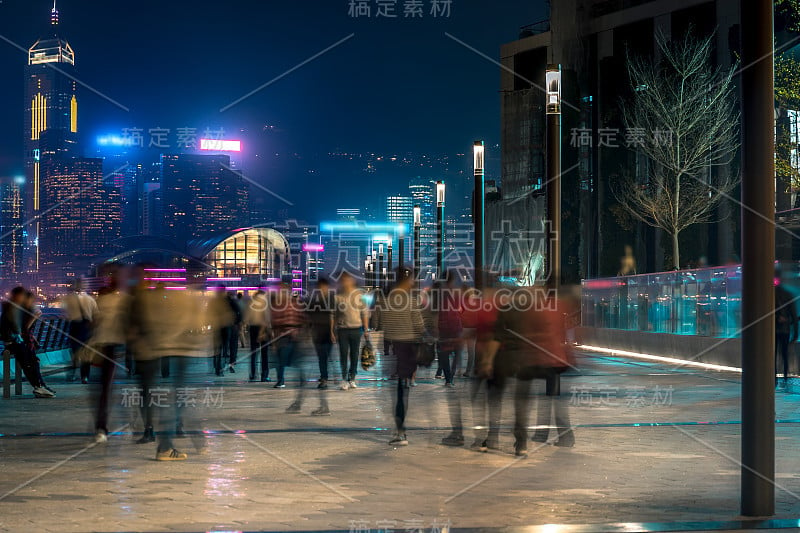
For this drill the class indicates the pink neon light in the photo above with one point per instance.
(313, 247)
(171, 288)
(165, 270)
(220, 145)
(166, 279)
(223, 279)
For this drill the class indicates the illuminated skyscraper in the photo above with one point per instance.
(51, 103)
(423, 194)
(82, 217)
(201, 197)
(11, 227)
(400, 209)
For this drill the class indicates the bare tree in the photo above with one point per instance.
(683, 119)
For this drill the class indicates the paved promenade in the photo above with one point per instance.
(654, 443)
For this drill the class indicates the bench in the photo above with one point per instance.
(7, 375)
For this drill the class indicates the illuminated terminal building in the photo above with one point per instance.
(243, 259)
(51, 103)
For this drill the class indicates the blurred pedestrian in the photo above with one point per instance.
(256, 317)
(399, 316)
(287, 320)
(237, 308)
(320, 308)
(107, 340)
(223, 319)
(447, 308)
(786, 328)
(352, 323)
(79, 308)
(529, 344)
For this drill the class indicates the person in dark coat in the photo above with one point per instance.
(785, 330)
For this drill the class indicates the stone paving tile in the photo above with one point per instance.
(616, 472)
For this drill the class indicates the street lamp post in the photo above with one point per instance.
(553, 185)
(479, 210)
(417, 227)
(376, 266)
(758, 257)
(401, 248)
(388, 264)
(440, 229)
(553, 189)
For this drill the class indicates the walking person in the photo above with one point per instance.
(12, 319)
(237, 308)
(107, 339)
(447, 309)
(222, 323)
(352, 322)
(79, 308)
(786, 329)
(469, 334)
(320, 308)
(287, 319)
(257, 320)
(399, 316)
(529, 344)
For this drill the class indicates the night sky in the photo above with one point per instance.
(398, 86)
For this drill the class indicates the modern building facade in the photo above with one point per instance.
(400, 210)
(257, 253)
(591, 40)
(11, 213)
(201, 195)
(51, 104)
(81, 219)
(423, 194)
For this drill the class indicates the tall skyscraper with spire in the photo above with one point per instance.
(51, 111)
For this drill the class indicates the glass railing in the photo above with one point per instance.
(704, 302)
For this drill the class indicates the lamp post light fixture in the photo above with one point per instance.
(389, 260)
(440, 190)
(479, 210)
(379, 282)
(417, 228)
(401, 247)
(553, 184)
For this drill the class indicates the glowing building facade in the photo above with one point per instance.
(261, 253)
(11, 227)
(51, 104)
(82, 218)
(201, 195)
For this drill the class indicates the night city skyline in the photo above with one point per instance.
(363, 96)
(384, 266)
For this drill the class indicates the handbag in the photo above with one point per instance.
(426, 353)
(89, 355)
(367, 356)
